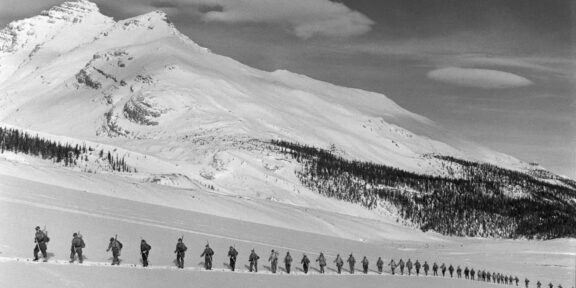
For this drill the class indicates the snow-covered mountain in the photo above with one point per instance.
(195, 130)
(172, 108)
(141, 79)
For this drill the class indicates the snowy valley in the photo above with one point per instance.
(129, 127)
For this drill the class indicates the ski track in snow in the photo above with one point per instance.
(296, 270)
(147, 222)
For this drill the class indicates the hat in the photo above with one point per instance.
(179, 239)
(111, 238)
(37, 227)
(75, 234)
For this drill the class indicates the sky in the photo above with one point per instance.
(499, 73)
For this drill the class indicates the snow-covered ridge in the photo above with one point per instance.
(20, 32)
(143, 82)
(73, 11)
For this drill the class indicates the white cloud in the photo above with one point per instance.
(304, 18)
(479, 78)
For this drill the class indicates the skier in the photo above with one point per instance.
(401, 264)
(472, 272)
(288, 262)
(208, 255)
(426, 268)
(380, 264)
(322, 262)
(273, 259)
(351, 261)
(451, 270)
(144, 251)
(305, 263)
(339, 263)
(232, 254)
(116, 247)
(365, 264)
(180, 253)
(538, 284)
(76, 247)
(40, 238)
(409, 266)
(253, 259)
(466, 273)
(516, 280)
(443, 268)
(526, 282)
(488, 275)
(550, 285)
(435, 269)
(392, 266)
(417, 266)
(493, 277)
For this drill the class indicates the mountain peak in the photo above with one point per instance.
(73, 11)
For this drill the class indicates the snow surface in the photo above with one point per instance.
(189, 120)
(34, 192)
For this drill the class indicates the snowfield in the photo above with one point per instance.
(195, 127)
(160, 214)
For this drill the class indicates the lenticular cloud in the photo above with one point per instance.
(478, 78)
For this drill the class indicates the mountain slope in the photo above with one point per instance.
(174, 108)
(139, 76)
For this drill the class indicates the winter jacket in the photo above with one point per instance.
(321, 260)
(253, 257)
(144, 247)
(180, 248)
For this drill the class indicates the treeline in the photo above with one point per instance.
(487, 201)
(16, 141)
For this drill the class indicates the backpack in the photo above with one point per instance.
(117, 244)
(77, 242)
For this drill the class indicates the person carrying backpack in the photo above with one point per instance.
(76, 247)
(339, 263)
(180, 253)
(253, 259)
(305, 263)
(380, 265)
(273, 259)
(232, 254)
(409, 266)
(41, 238)
(288, 262)
(116, 247)
(351, 261)
(207, 254)
(322, 262)
(365, 265)
(392, 266)
(144, 251)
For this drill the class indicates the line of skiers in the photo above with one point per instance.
(41, 239)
